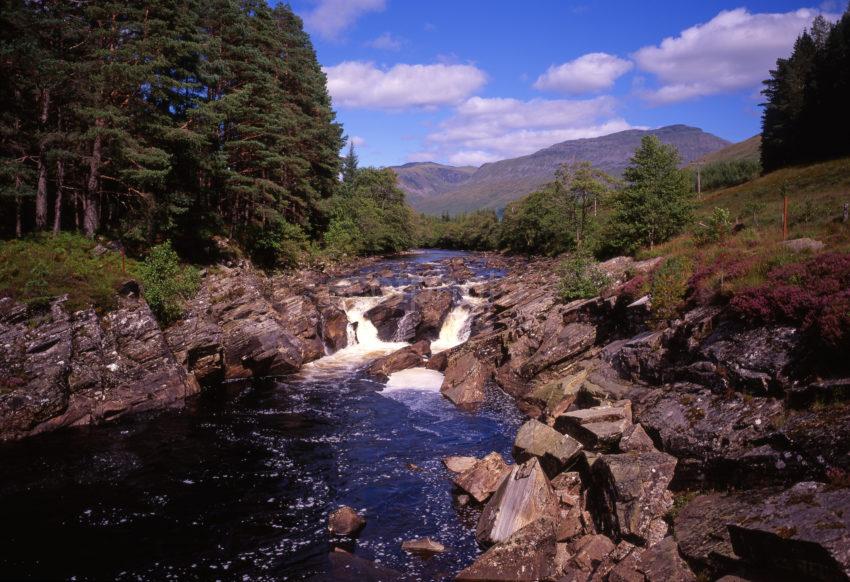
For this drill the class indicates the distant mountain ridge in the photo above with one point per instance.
(437, 188)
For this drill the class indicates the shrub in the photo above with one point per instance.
(669, 286)
(580, 277)
(723, 174)
(814, 295)
(715, 228)
(166, 284)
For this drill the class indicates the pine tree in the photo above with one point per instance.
(349, 165)
(657, 202)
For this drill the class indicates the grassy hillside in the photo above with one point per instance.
(749, 149)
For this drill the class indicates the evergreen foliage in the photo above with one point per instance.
(657, 202)
(165, 119)
(806, 117)
(166, 285)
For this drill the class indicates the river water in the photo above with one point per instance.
(238, 485)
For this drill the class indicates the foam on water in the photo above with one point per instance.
(415, 379)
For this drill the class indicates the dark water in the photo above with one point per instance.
(238, 485)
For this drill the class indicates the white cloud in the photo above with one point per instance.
(330, 18)
(587, 74)
(363, 84)
(387, 42)
(484, 130)
(734, 50)
(356, 141)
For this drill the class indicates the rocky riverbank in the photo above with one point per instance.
(681, 450)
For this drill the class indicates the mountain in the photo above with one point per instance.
(424, 180)
(749, 149)
(494, 185)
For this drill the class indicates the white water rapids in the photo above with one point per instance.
(364, 345)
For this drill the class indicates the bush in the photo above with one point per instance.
(715, 228)
(727, 173)
(166, 284)
(669, 286)
(38, 269)
(814, 295)
(581, 277)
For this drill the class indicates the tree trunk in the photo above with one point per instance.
(41, 192)
(91, 208)
(18, 229)
(57, 206)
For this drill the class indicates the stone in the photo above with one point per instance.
(424, 546)
(660, 563)
(434, 306)
(799, 245)
(570, 341)
(482, 480)
(589, 551)
(554, 451)
(802, 532)
(599, 427)
(407, 357)
(465, 379)
(701, 529)
(359, 288)
(457, 464)
(345, 522)
(555, 397)
(334, 324)
(523, 497)
(529, 555)
(635, 439)
(387, 317)
(629, 493)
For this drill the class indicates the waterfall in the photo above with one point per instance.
(455, 329)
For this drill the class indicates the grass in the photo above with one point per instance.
(37, 269)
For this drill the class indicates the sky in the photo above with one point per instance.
(466, 82)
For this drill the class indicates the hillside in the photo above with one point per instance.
(749, 149)
(424, 180)
(494, 185)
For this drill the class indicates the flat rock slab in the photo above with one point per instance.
(457, 464)
(523, 497)
(554, 450)
(529, 555)
(555, 397)
(424, 546)
(483, 478)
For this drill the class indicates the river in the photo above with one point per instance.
(238, 484)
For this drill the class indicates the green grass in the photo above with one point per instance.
(37, 269)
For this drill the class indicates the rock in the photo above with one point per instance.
(432, 281)
(299, 316)
(387, 318)
(425, 546)
(823, 392)
(407, 357)
(465, 378)
(433, 305)
(346, 567)
(555, 397)
(345, 522)
(720, 441)
(701, 529)
(635, 439)
(459, 464)
(589, 551)
(799, 245)
(334, 327)
(801, 532)
(523, 497)
(198, 346)
(629, 493)
(570, 341)
(660, 563)
(359, 288)
(482, 480)
(554, 451)
(599, 427)
(528, 555)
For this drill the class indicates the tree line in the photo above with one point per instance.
(582, 209)
(164, 119)
(806, 117)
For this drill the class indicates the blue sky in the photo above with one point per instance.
(468, 81)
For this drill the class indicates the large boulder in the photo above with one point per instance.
(597, 428)
(407, 357)
(523, 497)
(334, 327)
(465, 379)
(299, 316)
(559, 345)
(484, 477)
(344, 521)
(660, 563)
(629, 495)
(555, 397)
(700, 528)
(530, 554)
(388, 316)
(433, 306)
(554, 451)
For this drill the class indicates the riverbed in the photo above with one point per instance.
(238, 484)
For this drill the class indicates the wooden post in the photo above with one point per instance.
(785, 218)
